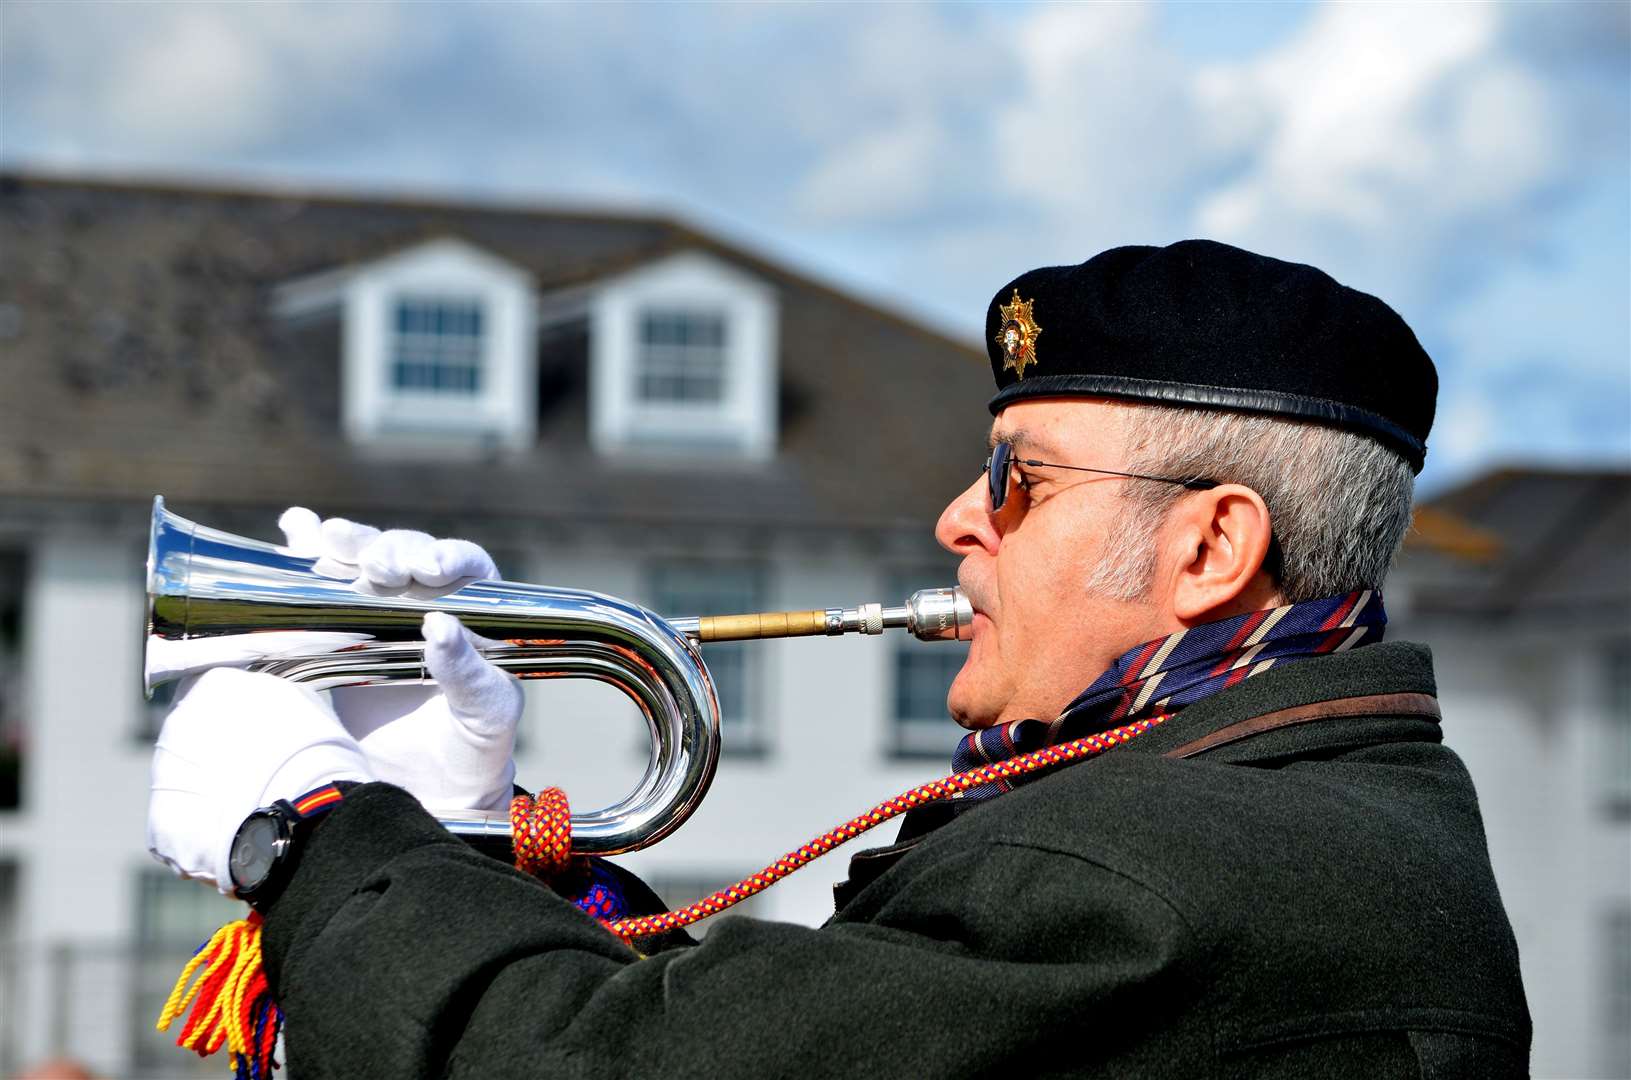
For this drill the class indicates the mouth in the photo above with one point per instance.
(974, 595)
(974, 591)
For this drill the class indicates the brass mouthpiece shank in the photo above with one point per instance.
(929, 614)
(766, 624)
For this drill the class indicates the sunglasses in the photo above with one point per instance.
(1002, 460)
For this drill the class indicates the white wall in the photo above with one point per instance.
(1522, 715)
(1525, 717)
(81, 838)
(81, 832)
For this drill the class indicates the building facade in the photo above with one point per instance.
(1520, 580)
(623, 404)
(615, 403)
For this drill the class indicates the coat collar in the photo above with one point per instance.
(1398, 667)
(1392, 667)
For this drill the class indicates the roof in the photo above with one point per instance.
(143, 356)
(1534, 544)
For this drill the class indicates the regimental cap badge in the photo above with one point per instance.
(1017, 337)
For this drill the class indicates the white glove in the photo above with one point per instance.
(454, 749)
(395, 562)
(236, 741)
(451, 744)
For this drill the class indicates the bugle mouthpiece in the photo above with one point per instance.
(929, 614)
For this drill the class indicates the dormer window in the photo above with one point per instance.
(437, 347)
(683, 361)
(682, 357)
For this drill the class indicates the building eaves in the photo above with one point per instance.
(438, 213)
(1561, 548)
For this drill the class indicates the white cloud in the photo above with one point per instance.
(190, 79)
(889, 165)
(1426, 153)
(1343, 94)
(1401, 137)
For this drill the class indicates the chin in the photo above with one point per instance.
(966, 710)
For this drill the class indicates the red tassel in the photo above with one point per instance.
(231, 1001)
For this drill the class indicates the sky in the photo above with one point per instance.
(1468, 163)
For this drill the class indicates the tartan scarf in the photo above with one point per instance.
(1160, 677)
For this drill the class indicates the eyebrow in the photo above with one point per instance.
(1022, 440)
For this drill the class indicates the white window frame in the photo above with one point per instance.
(743, 422)
(373, 409)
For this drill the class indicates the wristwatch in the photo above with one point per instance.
(262, 854)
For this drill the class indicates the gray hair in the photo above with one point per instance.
(1339, 501)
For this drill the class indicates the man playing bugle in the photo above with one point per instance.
(1231, 842)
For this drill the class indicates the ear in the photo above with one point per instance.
(1221, 541)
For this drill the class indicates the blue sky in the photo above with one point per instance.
(1468, 163)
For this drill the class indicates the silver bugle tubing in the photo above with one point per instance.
(928, 614)
(215, 599)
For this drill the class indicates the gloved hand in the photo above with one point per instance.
(451, 744)
(391, 563)
(236, 741)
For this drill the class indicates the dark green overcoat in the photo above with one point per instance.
(1312, 901)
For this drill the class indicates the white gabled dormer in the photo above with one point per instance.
(437, 343)
(683, 356)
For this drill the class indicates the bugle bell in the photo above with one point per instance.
(216, 599)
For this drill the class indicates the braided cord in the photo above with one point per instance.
(945, 788)
(542, 833)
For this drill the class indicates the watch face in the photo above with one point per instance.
(255, 850)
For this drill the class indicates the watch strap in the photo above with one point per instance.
(318, 800)
(302, 814)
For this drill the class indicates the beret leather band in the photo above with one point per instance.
(1298, 406)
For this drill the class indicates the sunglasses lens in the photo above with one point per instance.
(996, 476)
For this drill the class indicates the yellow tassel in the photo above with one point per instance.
(230, 1001)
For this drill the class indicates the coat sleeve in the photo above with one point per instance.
(398, 951)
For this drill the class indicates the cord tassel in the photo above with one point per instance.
(231, 1001)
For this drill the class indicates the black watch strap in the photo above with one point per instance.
(302, 815)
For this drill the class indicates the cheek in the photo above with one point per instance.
(1044, 590)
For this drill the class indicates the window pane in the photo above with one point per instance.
(1616, 1016)
(173, 918)
(923, 673)
(172, 911)
(1614, 755)
(718, 588)
(437, 347)
(922, 678)
(13, 725)
(682, 357)
(154, 710)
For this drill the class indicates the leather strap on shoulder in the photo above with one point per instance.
(1424, 705)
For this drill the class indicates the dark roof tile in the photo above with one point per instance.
(143, 355)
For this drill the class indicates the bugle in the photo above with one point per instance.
(216, 599)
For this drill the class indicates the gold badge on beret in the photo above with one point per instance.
(1017, 338)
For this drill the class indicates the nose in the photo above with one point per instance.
(964, 526)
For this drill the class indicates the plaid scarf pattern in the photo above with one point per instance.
(1160, 677)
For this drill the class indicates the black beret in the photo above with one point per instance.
(1205, 324)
